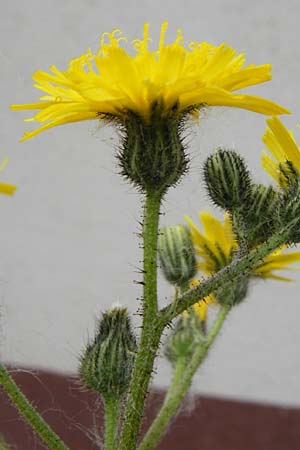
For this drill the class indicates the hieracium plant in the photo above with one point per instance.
(150, 94)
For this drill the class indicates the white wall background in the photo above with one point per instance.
(68, 243)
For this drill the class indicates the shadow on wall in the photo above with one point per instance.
(214, 424)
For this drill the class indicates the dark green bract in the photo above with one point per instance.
(152, 155)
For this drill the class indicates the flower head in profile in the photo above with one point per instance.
(216, 246)
(5, 188)
(171, 78)
(282, 145)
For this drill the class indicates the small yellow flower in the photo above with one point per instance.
(201, 308)
(112, 82)
(282, 145)
(5, 188)
(216, 247)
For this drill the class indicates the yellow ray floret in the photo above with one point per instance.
(216, 247)
(113, 81)
(5, 188)
(282, 145)
(201, 308)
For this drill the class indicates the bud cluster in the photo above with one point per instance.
(259, 211)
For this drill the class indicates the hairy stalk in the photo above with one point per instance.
(3, 444)
(112, 415)
(239, 267)
(240, 231)
(28, 411)
(151, 330)
(182, 379)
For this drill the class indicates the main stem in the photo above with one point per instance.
(182, 379)
(151, 330)
(112, 415)
(28, 411)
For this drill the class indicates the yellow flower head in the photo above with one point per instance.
(282, 145)
(5, 188)
(216, 246)
(113, 82)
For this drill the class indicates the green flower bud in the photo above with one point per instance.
(152, 155)
(177, 254)
(227, 179)
(107, 361)
(185, 338)
(261, 214)
(233, 293)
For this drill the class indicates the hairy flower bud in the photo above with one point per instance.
(227, 179)
(185, 338)
(233, 293)
(261, 213)
(177, 254)
(152, 155)
(107, 361)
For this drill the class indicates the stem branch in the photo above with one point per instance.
(112, 415)
(182, 379)
(28, 411)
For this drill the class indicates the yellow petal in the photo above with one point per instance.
(214, 231)
(270, 167)
(200, 309)
(61, 121)
(7, 189)
(285, 141)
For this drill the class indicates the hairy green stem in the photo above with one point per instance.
(183, 375)
(151, 330)
(154, 322)
(238, 268)
(240, 231)
(28, 411)
(112, 415)
(3, 444)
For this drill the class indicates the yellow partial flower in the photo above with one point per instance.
(283, 147)
(5, 188)
(113, 82)
(216, 247)
(201, 307)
